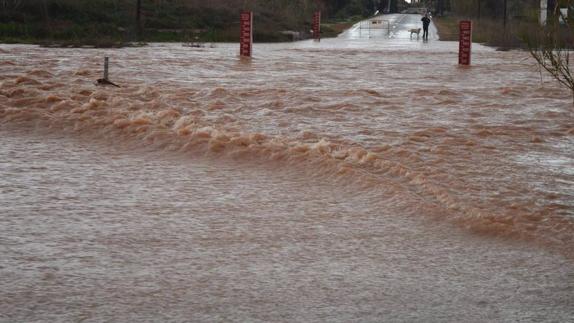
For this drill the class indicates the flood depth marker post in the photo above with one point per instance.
(464, 42)
(317, 25)
(246, 40)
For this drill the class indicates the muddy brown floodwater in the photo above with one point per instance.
(347, 180)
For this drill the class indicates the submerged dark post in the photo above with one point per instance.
(246, 39)
(106, 79)
(465, 42)
(106, 67)
(317, 25)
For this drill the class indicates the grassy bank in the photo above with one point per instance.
(332, 28)
(113, 23)
(489, 32)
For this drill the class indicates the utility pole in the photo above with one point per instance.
(138, 18)
(478, 15)
(504, 14)
(551, 11)
(47, 20)
(439, 7)
(393, 6)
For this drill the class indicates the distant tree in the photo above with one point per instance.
(552, 48)
(138, 18)
(10, 4)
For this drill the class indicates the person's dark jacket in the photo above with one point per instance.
(426, 22)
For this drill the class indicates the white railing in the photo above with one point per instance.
(374, 24)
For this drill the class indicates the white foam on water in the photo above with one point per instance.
(319, 181)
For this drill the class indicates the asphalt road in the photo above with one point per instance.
(390, 27)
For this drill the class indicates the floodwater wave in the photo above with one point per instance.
(365, 177)
(470, 168)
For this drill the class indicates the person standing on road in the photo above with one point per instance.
(426, 23)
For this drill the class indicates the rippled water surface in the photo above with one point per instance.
(363, 178)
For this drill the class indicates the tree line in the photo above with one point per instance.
(496, 9)
(158, 20)
(215, 20)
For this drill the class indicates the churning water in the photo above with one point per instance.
(347, 180)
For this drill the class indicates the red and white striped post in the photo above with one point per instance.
(317, 25)
(465, 42)
(246, 39)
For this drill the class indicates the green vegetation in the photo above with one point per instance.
(114, 22)
(552, 45)
(487, 31)
(109, 23)
(493, 24)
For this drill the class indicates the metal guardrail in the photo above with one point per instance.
(375, 24)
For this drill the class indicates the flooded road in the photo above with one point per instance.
(395, 27)
(359, 178)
